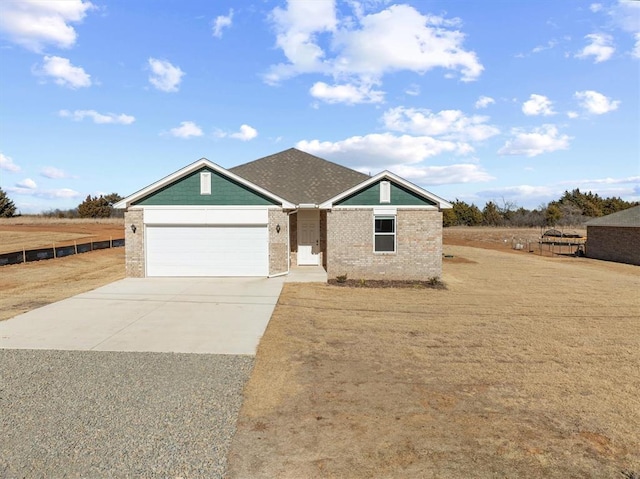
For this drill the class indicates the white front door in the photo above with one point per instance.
(308, 237)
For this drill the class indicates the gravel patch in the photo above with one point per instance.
(68, 414)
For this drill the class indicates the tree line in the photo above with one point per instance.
(92, 207)
(573, 208)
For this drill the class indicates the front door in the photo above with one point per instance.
(308, 237)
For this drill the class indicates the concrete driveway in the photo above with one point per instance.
(182, 315)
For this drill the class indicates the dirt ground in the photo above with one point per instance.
(526, 366)
(32, 232)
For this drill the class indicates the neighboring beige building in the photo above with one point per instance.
(615, 237)
(284, 210)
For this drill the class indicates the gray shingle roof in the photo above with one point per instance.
(299, 177)
(625, 218)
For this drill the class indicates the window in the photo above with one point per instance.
(384, 234)
(385, 192)
(205, 183)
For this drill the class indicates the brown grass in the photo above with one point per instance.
(29, 232)
(31, 285)
(28, 286)
(526, 366)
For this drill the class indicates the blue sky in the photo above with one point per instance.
(512, 101)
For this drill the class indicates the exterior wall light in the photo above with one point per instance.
(278, 228)
(133, 228)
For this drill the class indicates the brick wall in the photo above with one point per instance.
(278, 242)
(614, 244)
(134, 244)
(418, 253)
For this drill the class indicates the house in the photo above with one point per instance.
(615, 237)
(285, 210)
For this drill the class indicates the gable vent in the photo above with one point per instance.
(385, 192)
(205, 183)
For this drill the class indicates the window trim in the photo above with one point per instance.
(394, 233)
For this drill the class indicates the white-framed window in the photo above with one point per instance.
(385, 192)
(205, 183)
(384, 234)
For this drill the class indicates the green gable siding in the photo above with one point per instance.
(400, 196)
(186, 191)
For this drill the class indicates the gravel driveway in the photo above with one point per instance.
(117, 414)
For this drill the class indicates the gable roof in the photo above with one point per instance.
(625, 218)
(201, 163)
(299, 177)
(387, 175)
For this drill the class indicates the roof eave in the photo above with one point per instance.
(167, 180)
(442, 203)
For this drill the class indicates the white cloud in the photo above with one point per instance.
(27, 183)
(521, 193)
(572, 114)
(53, 173)
(164, 76)
(187, 129)
(484, 102)
(636, 49)
(595, 7)
(538, 105)
(246, 133)
(381, 149)
(596, 103)
(34, 24)
(349, 94)
(64, 73)
(79, 115)
(544, 139)
(365, 47)
(7, 164)
(442, 175)
(626, 15)
(450, 124)
(413, 90)
(601, 47)
(60, 193)
(221, 22)
(540, 48)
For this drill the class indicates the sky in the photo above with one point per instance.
(507, 101)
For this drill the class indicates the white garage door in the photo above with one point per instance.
(207, 251)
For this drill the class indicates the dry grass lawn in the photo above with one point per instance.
(24, 287)
(526, 366)
(28, 232)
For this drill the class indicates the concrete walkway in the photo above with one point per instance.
(306, 274)
(182, 315)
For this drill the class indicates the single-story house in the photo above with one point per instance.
(285, 210)
(615, 237)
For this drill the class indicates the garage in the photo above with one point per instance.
(207, 251)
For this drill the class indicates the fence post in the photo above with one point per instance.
(24, 255)
(75, 246)
(54, 250)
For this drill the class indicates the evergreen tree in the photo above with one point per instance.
(7, 207)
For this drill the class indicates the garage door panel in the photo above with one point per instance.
(207, 251)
